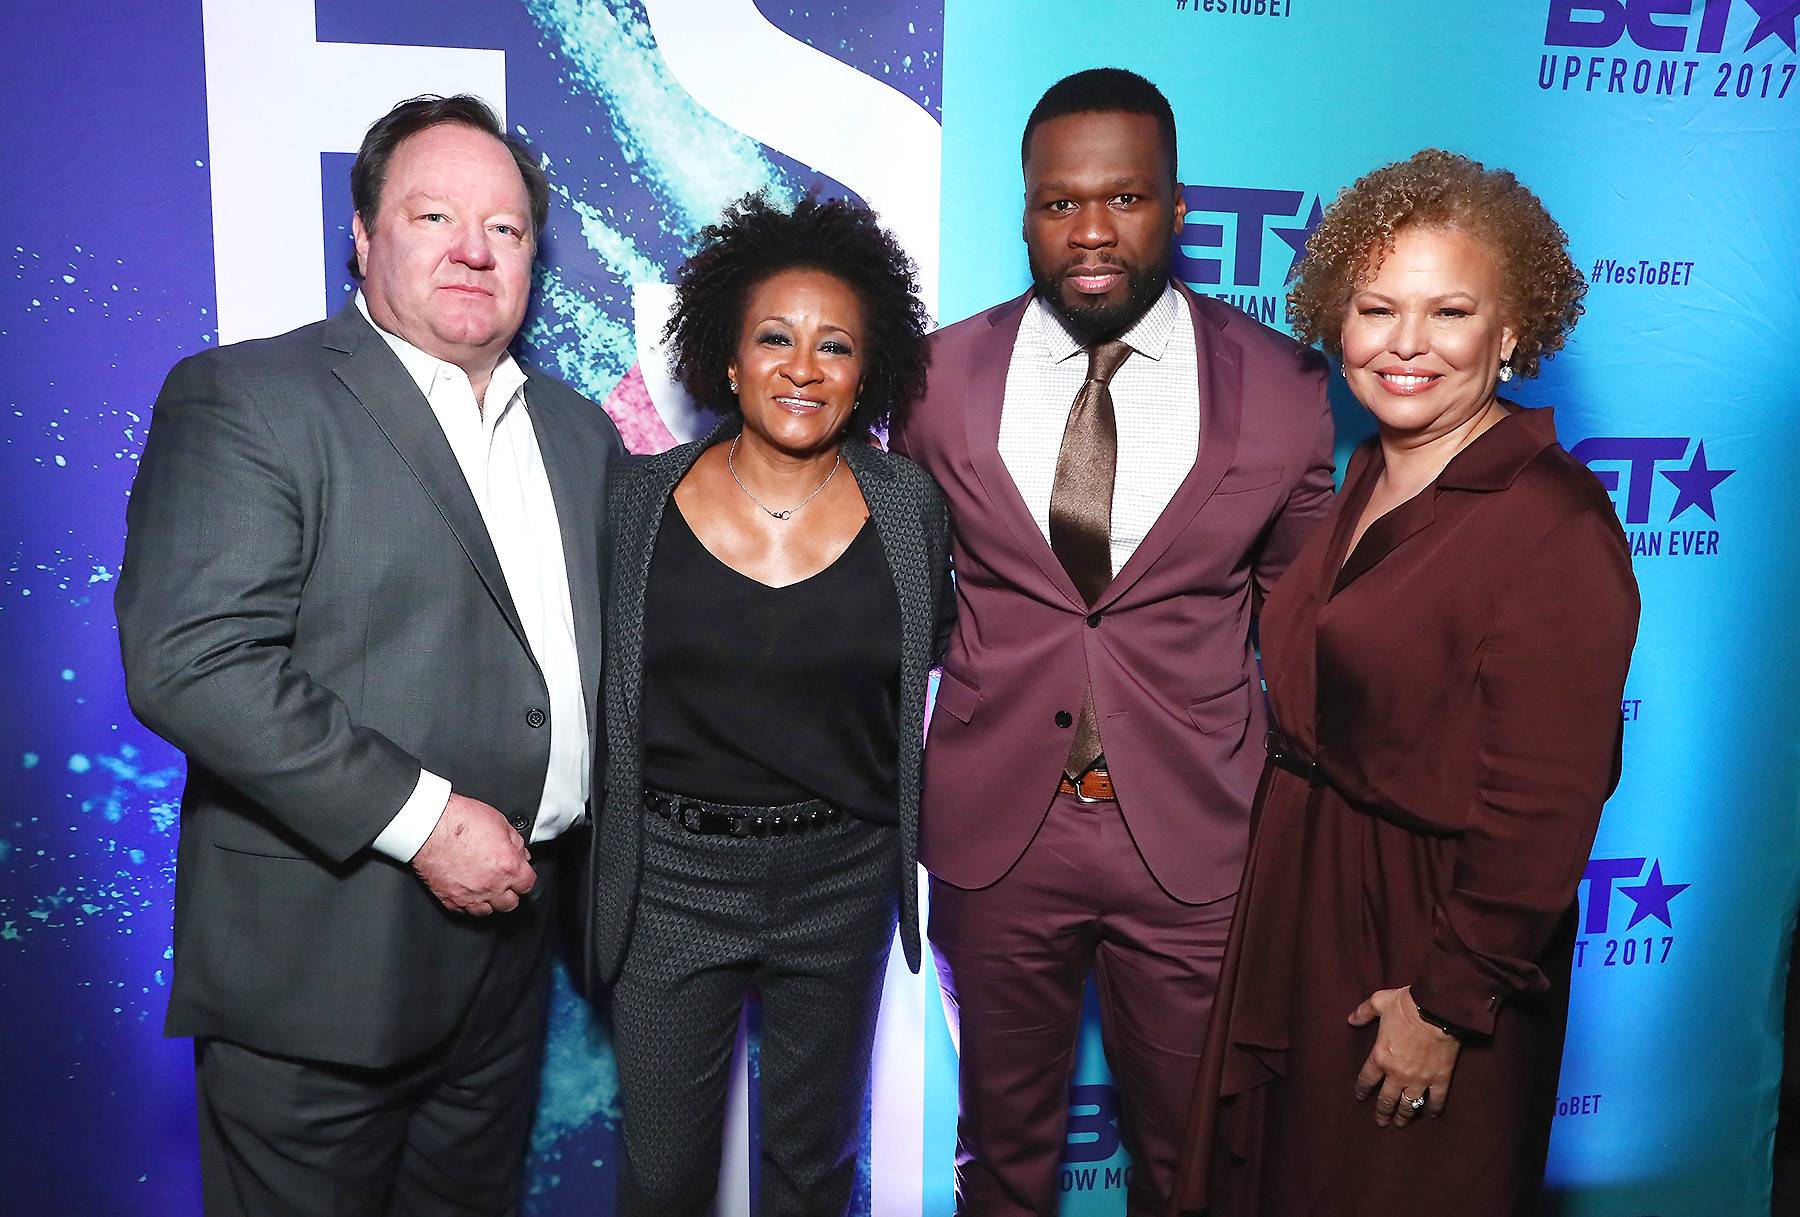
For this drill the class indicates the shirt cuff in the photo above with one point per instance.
(1458, 991)
(407, 831)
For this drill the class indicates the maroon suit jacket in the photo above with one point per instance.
(1181, 706)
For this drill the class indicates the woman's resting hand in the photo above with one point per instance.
(1411, 1057)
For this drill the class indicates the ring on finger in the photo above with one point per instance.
(1416, 1104)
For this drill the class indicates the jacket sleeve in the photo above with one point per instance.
(1305, 505)
(207, 602)
(1552, 671)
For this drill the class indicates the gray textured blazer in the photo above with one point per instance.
(914, 528)
(311, 608)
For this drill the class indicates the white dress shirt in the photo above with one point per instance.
(497, 448)
(1156, 405)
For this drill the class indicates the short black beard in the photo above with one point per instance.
(1099, 323)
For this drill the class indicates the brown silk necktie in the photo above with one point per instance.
(1081, 510)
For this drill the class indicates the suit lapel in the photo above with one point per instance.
(898, 526)
(576, 490)
(649, 494)
(374, 376)
(1221, 385)
(986, 396)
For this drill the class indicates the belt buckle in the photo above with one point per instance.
(1080, 796)
(698, 818)
(1275, 744)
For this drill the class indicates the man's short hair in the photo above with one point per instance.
(369, 174)
(1103, 91)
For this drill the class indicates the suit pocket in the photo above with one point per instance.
(1221, 710)
(1248, 477)
(241, 835)
(957, 697)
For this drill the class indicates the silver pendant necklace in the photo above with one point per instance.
(731, 464)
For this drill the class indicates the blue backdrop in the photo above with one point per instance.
(176, 178)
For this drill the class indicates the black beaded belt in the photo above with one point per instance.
(1283, 756)
(724, 819)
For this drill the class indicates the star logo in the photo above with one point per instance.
(1775, 19)
(1297, 238)
(1652, 897)
(1696, 483)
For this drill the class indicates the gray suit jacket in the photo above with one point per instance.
(914, 528)
(310, 607)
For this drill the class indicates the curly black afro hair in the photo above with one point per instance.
(755, 239)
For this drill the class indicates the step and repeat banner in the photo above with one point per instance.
(177, 178)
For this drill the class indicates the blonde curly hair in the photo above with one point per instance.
(1541, 288)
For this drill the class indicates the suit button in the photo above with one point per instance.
(1064, 719)
(535, 717)
(1093, 621)
(521, 823)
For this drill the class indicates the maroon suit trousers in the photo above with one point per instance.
(1014, 958)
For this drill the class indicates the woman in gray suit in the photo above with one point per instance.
(779, 593)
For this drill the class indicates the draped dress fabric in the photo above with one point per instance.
(1458, 680)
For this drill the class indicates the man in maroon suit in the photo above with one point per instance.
(1128, 467)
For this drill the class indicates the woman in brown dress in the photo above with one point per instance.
(1445, 661)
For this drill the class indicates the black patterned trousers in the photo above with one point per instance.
(807, 921)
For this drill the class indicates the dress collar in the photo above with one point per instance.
(1495, 457)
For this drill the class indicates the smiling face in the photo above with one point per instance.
(799, 362)
(446, 260)
(1101, 214)
(1423, 341)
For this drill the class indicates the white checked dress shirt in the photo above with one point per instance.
(497, 450)
(1156, 405)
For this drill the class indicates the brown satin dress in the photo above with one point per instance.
(1457, 679)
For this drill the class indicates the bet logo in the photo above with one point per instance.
(1647, 938)
(1227, 227)
(1093, 1134)
(1631, 466)
(1657, 25)
(1649, 899)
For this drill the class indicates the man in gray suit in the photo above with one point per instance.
(361, 590)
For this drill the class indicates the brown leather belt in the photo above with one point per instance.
(1094, 786)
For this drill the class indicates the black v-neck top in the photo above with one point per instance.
(761, 695)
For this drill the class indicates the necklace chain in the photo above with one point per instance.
(731, 464)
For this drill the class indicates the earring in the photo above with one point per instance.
(1506, 372)
(733, 385)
